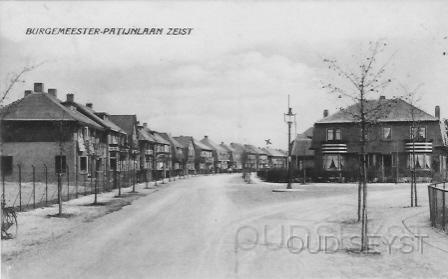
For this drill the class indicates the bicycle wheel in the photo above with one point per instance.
(9, 223)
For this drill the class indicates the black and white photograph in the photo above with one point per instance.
(224, 139)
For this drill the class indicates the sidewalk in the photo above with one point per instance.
(41, 225)
(419, 224)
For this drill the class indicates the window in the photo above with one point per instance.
(330, 135)
(60, 164)
(442, 164)
(422, 161)
(85, 132)
(337, 134)
(372, 160)
(6, 165)
(387, 133)
(418, 133)
(333, 134)
(84, 164)
(333, 162)
(113, 163)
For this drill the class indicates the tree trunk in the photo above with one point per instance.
(364, 240)
(359, 198)
(59, 194)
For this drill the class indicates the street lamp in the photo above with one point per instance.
(289, 118)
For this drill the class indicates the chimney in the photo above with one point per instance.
(38, 87)
(325, 113)
(28, 92)
(437, 112)
(145, 125)
(53, 92)
(382, 97)
(71, 98)
(89, 105)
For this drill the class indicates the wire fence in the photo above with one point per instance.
(35, 187)
(438, 211)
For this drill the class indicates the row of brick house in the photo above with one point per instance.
(401, 137)
(70, 138)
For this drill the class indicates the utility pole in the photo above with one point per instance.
(289, 118)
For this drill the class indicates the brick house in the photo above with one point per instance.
(262, 158)
(178, 158)
(162, 153)
(221, 155)
(115, 138)
(251, 157)
(129, 158)
(238, 155)
(189, 153)
(399, 132)
(204, 161)
(302, 155)
(276, 158)
(37, 130)
(235, 162)
(147, 145)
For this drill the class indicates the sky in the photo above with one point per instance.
(231, 77)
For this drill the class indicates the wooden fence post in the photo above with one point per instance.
(20, 187)
(34, 186)
(46, 184)
(443, 210)
(68, 182)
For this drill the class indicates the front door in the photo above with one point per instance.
(387, 166)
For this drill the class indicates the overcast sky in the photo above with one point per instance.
(230, 78)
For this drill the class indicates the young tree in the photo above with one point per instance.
(367, 80)
(410, 97)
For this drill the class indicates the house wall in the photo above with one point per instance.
(38, 154)
(379, 149)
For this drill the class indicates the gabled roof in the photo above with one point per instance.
(105, 117)
(250, 149)
(228, 148)
(184, 140)
(90, 113)
(172, 140)
(261, 151)
(159, 139)
(125, 122)
(301, 146)
(213, 145)
(274, 152)
(43, 107)
(200, 145)
(237, 147)
(383, 110)
(309, 132)
(144, 134)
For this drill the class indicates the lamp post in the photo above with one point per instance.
(289, 118)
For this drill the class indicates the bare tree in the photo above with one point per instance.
(14, 79)
(412, 98)
(368, 81)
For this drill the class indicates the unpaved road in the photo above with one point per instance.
(219, 227)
